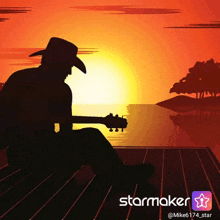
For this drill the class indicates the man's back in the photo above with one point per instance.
(29, 99)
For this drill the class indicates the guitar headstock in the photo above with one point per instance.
(115, 122)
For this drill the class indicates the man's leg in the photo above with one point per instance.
(93, 148)
(89, 146)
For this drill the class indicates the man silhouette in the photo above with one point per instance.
(31, 98)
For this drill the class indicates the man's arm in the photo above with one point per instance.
(61, 106)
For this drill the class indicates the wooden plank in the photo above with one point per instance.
(212, 172)
(10, 175)
(136, 187)
(4, 166)
(111, 209)
(11, 180)
(197, 178)
(157, 147)
(36, 199)
(6, 171)
(89, 200)
(152, 189)
(200, 166)
(131, 156)
(64, 197)
(14, 185)
(14, 198)
(174, 184)
(209, 181)
(213, 157)
(3, 157)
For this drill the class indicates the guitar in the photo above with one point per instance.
(109, 121)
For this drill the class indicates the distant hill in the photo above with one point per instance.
(185, 103)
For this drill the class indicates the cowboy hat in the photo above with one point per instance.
(61, 51)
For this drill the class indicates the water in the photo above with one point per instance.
(152, 125)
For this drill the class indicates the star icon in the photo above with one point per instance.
(201, 201)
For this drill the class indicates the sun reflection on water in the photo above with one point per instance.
(151, 125)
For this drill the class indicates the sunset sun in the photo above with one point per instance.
(107, 81)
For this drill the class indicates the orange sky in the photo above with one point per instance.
(132, 54)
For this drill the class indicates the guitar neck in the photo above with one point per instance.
(109, 121)
(83, 120)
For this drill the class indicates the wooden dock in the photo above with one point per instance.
(178, 172)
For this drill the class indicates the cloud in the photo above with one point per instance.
(214, 24)
(87, 50)
(3, 19)
(126, 9)
(22, 55)
(14, 10)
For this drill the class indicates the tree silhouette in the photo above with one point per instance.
(203, 78)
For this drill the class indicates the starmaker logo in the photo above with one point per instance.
(201, 200)
(153, 201)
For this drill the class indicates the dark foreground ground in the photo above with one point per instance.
(81, 195)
